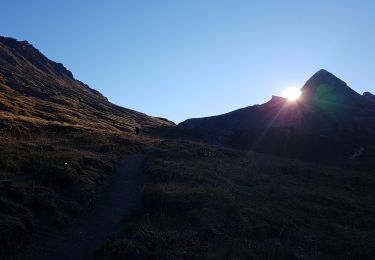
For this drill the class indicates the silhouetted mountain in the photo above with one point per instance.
(324, 86)
(37, 92)
(328, 113)
(369, 97)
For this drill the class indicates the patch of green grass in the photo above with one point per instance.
(209, 203)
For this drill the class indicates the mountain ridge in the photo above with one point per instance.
(38, 92)
(323, 86)
(32, 55)
(329, 116)
(320, 80)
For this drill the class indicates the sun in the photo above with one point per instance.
(292, 93)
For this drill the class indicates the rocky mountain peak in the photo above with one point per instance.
(324, 86)
(18, 53)
(324, 77)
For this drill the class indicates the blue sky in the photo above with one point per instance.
(190, 58)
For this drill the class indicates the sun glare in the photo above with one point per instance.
(292, 93)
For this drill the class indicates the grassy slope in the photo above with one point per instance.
(59, 140)
(205, 202)
(46, 181)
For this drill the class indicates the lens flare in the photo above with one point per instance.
(292, 93)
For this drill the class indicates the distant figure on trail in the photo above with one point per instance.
(137, 130)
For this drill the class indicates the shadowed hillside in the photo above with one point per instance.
(59, 142)
(205, 202)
